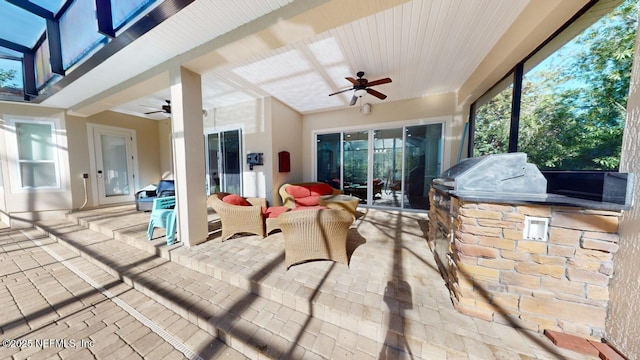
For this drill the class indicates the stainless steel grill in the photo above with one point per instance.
(499, 173)
(491, 176)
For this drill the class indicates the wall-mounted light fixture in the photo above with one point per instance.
(366, 109)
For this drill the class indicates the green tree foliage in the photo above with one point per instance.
(573, 104)
(6, 76)
(492, 124)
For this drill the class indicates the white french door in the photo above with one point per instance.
(113, 164)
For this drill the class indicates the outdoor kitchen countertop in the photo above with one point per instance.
(526, 199)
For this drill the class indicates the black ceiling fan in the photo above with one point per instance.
(361, 87)
(166, 109)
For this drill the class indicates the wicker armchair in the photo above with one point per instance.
(315, 234)
(238, 219)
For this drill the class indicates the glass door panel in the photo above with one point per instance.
(213, 163)
(356, 164)
(328, 160)
(422, 163)
(231, 162)
(114, 161)
(387, 168)
(224, 163)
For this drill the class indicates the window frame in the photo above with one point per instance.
(516, 75)
(14, 154)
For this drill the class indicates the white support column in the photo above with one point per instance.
(188, 156)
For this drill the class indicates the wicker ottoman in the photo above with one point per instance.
(315, 234)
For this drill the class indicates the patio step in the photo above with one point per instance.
(125, 224)
(390, 301)
(255, 326)
(369, 310)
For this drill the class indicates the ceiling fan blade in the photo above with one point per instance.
(353, 81)
(353, 100)
(153, 112)
(377, 94)
(341, 91)
(379, 82)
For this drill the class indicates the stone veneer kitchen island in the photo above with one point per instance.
(557, 282)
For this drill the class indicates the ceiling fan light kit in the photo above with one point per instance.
(361, 87)
(360, 93)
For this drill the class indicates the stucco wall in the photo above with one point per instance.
(286, 124)
(623, 329)
(20, 207)
(435, 108)
(147, 149)
(166, 154)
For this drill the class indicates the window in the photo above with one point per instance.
(79, 32)
(123, 11)
(48, 39)
(11, 83)
(493, 119)
(36, 154)
(42, 66)
(569, 97)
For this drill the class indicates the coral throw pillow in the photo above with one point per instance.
(298, 191)
(320, 189)
(307, 201)
(234, 199)
(274, 211)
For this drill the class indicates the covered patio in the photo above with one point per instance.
(390, 302)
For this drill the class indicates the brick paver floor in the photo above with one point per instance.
(57, 305)
(389, 303)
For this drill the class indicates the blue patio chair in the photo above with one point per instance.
(163, 215)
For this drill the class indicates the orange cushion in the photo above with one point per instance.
(307, 201)
(297, 191)
(234, 199)
(320, 189)
(274, 211)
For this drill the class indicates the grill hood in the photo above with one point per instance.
(496, 173)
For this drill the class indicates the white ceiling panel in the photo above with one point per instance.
(425, 47)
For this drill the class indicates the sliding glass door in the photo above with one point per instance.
(224, 163)
(356, 164)
(387, 167)
(390, 167)
(328, 150)
(423, 144)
